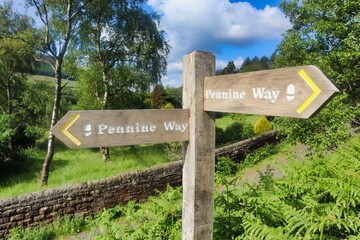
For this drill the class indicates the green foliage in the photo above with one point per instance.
(262, 125)
(173, 150)
(225, 166)
(158, 218)
(258, 155)
(219, 136)
(5, 133)
(168, 106)
(158, 96)
(318, 198)
(74, 166)
(327, 130)
(256, 64)
(230, 68)
(234, 132)
(327, 30)
(325, 34)
(174, 96)
(228, 213)
(62, 227)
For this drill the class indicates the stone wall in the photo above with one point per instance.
(237, 151)
(92, 196)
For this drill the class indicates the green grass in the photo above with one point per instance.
(74, 166)
(50, 80)
(228, 120)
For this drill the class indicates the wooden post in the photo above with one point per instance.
(199, 157)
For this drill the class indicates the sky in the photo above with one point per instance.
(230, 29)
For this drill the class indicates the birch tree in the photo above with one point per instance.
(126, 54)
(61, 20)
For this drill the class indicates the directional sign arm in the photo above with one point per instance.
(313, 86)
(65, 128)
(297, 92)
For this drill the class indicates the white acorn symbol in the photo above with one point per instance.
(87, 130)
(290, 91)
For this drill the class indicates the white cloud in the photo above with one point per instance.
(238, 63)
(209, 24)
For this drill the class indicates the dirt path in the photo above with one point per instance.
(252, 175)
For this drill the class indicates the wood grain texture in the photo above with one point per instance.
(199, 160)
(105, 128)
(268, 93)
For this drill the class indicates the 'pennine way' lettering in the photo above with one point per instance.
(229, 94)
(137, 128)
(174, 126)
(263, 93)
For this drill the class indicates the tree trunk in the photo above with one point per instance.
(9, 112)
(105, 150)
(51, 139)
(106, 153)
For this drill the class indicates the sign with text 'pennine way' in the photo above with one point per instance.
(297, 92)
(292, 92)
(105, 128)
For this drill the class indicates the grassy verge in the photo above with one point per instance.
(74, 166)
(227, 120)
(161, 216)
(50, 80)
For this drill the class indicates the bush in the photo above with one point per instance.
(219, 136)
(225, 166)
(233, 133)
(167, 105)
(262, 125)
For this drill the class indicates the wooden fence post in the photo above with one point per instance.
(199, 157)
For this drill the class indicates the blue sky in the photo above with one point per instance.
(231, 29)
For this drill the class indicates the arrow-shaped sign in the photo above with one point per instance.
(313, 86)
(105, 128)
(291, 92)
(65, 131)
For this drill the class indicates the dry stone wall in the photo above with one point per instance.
(92, 196)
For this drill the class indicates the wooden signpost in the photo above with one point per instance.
(297, 92)
(105, 128)
(292, 92)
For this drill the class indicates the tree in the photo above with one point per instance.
(61, 21)
(174, 96)
(230, 68)
(15, 58)
(126, 53)
(158, 96)
(255, 64)
(325, 33)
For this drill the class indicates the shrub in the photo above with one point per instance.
(233, 132)
(158, 218)
(219, 136)
(225, 166)
(262, 125)
(167, 105)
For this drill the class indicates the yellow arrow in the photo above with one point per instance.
(65, 128)
(313, 86)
